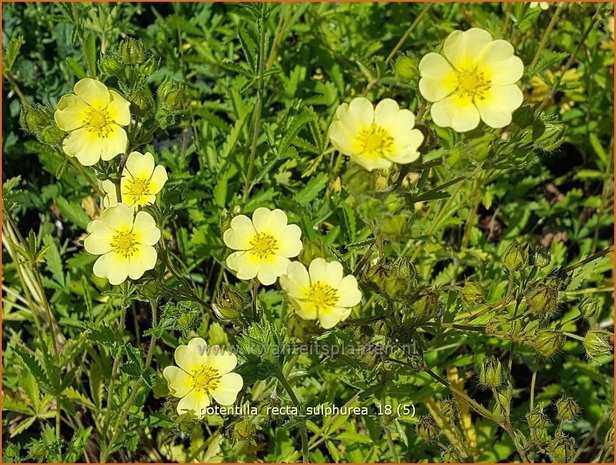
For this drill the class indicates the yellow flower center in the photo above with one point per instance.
(322, 296)
(138, 187)
(206, 379)
(125, 243)
(264, 245)
(99, 121)
(375, 141)
(472, 83)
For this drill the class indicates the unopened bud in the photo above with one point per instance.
(229, 303)
(394, 225)
(590, 308)
(537, 422)
(451, 455)
(150, 65)
(51, 135)
(427, 429)
(516, 256)
(132, 51)
(598, 344)
(548, 343)
(110, 63)
(406, 67)
(567, 408)
(552, 136)
(394, 203)
(541, 257)
(491, 372)
(33, 118)
(172, 96)
(561, 449)
(244, 430)
(427, 306)
(542, 299)
(357, 180)
(472, 293)
(447, 408)
(142, 100)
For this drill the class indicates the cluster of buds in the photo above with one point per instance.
(548, 343)
(537, 422)
(567, 409)
(562, 448)
(542, 298)
(396, 280)
(38, 120)
(132, 54)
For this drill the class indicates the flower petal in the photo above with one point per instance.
(463, 48)
(180, 383)
(222, 360)
(438, 78)
(119, 218)
(289, 242)
(341, 137)
(112, 266)
(499, 63)
(230, 386)
(195, 401)
(93, 92)
(142, 260)
(192, 356)
(244, 264)
(71, 113)
(145, 228)
(387, 114)
(83, 145)
(455, 112)
(114, 143)
(349, 294)
(498, 105)
(119, 109)
(371, 163)
(139, 165)
(325, 272)
(269, 221)
(356, 115)
(271, 268)
(158, 179)
(239, 235)
(295, 280)
(99, 240)
(332, 316)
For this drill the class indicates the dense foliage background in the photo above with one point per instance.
(428, 242)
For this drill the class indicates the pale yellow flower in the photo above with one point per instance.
(124, 242)
(264, 245)
(141, 179)
(543, 5)
(111, 194)
(375, 137)
(322, 292)
(202, 374)
(94, 117)
(473, 79)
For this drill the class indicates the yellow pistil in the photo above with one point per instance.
(124, 243)
(99, 121)
(322, 296)
(375, 141)
(472, 83)
(264, 245)
(206, 379)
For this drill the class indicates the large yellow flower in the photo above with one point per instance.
(375, 137)
(93, 116)
(322, 292)
(202, 373)
(264, 245)
(124, 242)
(473, 79)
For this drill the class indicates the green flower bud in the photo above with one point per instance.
(406, 67)
(451, 455)
(491, 372)
(357, 180)
(33, 118)
(142, 100)
(567, 408)
(542, 257)
(427, 306)
(561, 449)
(394, 203)
(516, 256)
(229, 303)
(52, 135)
(590, 308)
(110, 63)
(472, 293)
(427, 429)
(150, 65)
(548, 343)
(132, 51)
(172, 96)
(542, 299)
(394, 225)
(552, 136)
(598, 344)
(447, 409)
(537, 422)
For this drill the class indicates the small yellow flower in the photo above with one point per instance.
(203, 373)
(473, 79)
(93, 116)
(375, 137)
(321, 292)
(141, 179)
(124, 242)
(543, 5)
(264, 245)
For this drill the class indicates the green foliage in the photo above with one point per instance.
(486, 328)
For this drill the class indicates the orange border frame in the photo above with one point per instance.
(285, 1)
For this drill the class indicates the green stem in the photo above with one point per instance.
(545, 36)
(573, 336)
(405, 36)
(302, 427)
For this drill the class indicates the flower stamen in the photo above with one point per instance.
(264, 245)
(375, 141)
(124, 243)
(321, 295)
(206, 379)
(99, 122)
(472, 83)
